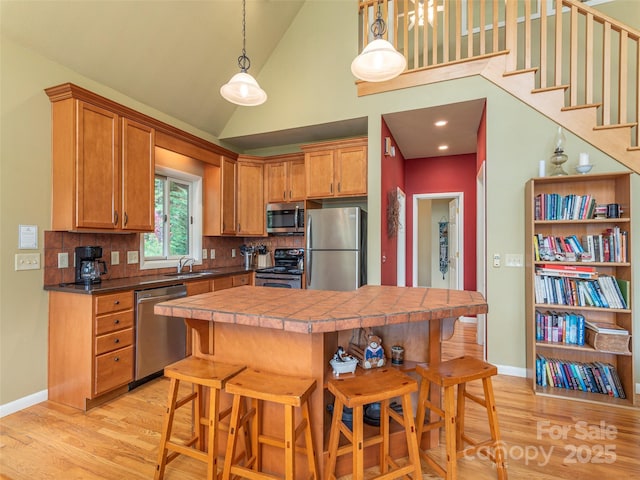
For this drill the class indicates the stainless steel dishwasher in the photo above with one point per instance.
(160, 340)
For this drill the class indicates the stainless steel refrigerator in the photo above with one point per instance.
(336, 253)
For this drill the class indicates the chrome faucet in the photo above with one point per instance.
(183, 262)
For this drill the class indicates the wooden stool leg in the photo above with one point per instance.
(495, 429)
(462, 390)
(308, 441)
(212, 440)
(334, 439)
(358, 442)
(411, 434)
(384, 432)
(289, 443)
(422, 408)
(450, 432)
(166, 428)
(198, 413)
(231, 439)
(255, 433)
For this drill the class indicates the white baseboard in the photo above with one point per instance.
(637, 388)
(513, 371)
(24, 402)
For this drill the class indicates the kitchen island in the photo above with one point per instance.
(296, 332)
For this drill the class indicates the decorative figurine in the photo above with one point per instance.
(374, 353)
(342, 362)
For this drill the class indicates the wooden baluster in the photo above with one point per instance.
(573, 57)
(543, 44)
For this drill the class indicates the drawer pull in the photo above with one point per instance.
(116, 359)
(117, 340)
(117, 302)
(116, 321)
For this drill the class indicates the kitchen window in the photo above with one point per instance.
(178, 221)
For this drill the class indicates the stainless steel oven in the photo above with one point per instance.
(286, 272)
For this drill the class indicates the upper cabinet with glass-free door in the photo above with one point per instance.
(103, 168)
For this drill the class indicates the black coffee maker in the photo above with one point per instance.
(89, 268)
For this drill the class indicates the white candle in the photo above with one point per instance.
(584, 159)
(542, 168)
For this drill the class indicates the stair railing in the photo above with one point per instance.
(581, 51)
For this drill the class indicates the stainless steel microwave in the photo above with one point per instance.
(285, 218)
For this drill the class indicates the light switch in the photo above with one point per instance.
(212, 254)
(204, 253)
(115, 258)
(496, 259)
(27, 261)
(233, 253)
(513, 260)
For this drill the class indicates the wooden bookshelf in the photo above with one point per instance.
(605, 188)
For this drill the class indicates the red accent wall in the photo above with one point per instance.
(441, 175)
(392, 176)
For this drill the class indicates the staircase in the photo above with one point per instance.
(563, 66)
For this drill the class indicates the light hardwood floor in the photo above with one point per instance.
(544, 438)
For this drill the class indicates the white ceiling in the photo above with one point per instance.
(174, 55)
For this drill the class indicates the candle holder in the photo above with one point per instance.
(559, 157)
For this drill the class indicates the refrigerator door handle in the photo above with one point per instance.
(308, 264)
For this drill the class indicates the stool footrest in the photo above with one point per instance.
(475, 398)
(187, 450)
(185, 400)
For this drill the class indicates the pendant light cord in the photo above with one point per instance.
(243, 61)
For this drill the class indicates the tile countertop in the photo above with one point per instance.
(144, 282)
(317, 311)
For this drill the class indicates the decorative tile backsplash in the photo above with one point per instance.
(59, 242)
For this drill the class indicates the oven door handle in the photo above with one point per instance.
(276, 284)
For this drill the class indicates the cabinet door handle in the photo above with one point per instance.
(339, 183)
(115, 215)
(116, 321)
(116, 302)
(126, 219)
(116, 359)
(117, 340)
(284, 195)
(331, 188)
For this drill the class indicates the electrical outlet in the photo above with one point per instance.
(132, 256)
(496, 259)
(63, 260)
(204, 253)
(212, 254)
(27, 261)
(233, 253)
(115, 258)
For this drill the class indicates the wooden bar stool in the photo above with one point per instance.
(203, 374)
(290, 392)
(378, 385)
(447, 375)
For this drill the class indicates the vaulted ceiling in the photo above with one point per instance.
(174, 55)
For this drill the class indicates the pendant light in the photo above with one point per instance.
(243, 89)
(379, 61)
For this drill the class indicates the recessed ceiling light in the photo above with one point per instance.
(441, 123)
(443, 147)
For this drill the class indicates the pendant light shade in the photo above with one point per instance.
(243, 89)
(379, 61)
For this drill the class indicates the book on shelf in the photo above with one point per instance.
(602, 327)
(553, 206)
(594, 377)
(609, 343)
(560, 327)
(569, 289)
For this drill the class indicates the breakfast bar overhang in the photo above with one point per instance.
(296, 332)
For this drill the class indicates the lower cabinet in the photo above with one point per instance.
(231, 281)
(91, 347)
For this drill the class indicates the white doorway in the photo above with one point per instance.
(401, 269)
(431, 214)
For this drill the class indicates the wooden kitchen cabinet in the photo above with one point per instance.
(91, 347)
(197, 287)
(285, 178)
(336, 169)
(102, 167)
(250, 213)
(238, 280)
(220, 198)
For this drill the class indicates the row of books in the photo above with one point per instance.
(553, 206)
(595, 377)
(608, 246)
(560, 327)
(603, 292)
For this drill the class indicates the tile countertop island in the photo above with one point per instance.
(296, 332)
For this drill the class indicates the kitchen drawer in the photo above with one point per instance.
(114, 302)
(113, 322)
(113, 341)
(201, 286)
(222, 283)
(240, 280)
(113, 370)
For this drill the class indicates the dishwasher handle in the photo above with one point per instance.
(160, 298)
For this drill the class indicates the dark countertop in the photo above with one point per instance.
(146, 281)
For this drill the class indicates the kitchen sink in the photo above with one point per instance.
(184, 275)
